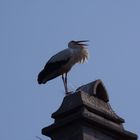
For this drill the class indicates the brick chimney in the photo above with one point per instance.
(87, 115)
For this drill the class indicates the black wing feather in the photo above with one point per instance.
(49, 68)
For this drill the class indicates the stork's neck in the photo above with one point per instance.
(80, 54)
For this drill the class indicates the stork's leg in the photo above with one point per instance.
(65, 83)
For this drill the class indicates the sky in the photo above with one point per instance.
(31, 31)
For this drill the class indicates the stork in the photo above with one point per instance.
(62, 62)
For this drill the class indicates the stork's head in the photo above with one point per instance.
(77, 44)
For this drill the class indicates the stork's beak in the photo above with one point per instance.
(81, 42)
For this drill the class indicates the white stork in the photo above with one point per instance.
(62, 62)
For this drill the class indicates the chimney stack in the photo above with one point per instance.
(87, 115)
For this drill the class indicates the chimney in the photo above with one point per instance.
(87, 115)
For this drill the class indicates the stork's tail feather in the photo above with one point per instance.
(41, 77)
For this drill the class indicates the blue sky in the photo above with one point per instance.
(31, 31)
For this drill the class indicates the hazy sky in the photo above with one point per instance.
(31, 31)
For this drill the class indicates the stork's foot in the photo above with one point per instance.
(68, 93)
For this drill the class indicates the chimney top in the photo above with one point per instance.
(86, 115)
(95, 88)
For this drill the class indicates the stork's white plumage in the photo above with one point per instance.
(62, 62)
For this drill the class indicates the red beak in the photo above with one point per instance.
(81, 42)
